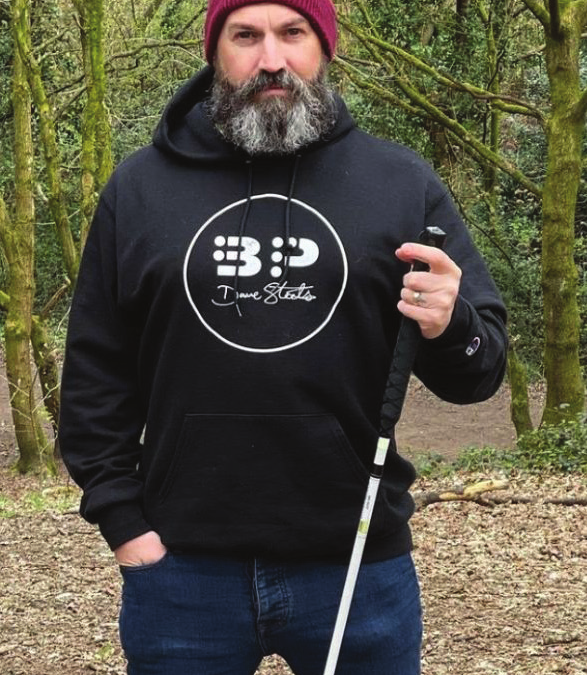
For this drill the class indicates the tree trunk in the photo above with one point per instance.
(490, 175)
(461, 35)
(45, 355)
(57, 203)
(520, 406)
(96, 135)
(18, 239)
(565, 395)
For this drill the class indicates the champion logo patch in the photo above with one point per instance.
(287, 291)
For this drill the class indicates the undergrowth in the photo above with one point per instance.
(548, 449)
(58, 499)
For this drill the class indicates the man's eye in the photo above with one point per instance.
(294, 31)
(245, 35)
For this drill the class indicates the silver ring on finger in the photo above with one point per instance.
(418, 298)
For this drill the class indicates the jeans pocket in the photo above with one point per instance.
(145, 567)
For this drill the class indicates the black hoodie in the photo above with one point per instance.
(238, 413)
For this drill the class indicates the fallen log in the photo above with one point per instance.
(470, 493)
(477, 491)
(522, 499)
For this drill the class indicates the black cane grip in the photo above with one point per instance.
(431, 236)
(405, 350)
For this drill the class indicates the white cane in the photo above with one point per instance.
(395, 393)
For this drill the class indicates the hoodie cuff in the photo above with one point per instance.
(458, 329)
(121, 523)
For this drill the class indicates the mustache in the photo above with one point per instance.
(273, 124)
(266, 80)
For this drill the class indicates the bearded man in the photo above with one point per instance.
(237, 307)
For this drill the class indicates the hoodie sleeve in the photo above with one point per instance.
(101, 420)
(465, 364)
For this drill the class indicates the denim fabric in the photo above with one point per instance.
(199, 615)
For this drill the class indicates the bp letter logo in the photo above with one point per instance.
(256, 291)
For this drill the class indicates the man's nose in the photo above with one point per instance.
(272, 57)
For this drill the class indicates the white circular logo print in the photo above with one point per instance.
(256, 291)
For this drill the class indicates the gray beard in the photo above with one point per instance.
(274, 125)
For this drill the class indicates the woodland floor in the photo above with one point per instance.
(504, 588)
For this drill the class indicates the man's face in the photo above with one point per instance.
(267, 38)
(270, 94)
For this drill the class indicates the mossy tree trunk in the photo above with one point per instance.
(96, 161)
(492, 16)
(35, 452)
(520, 404)
(565, 395)
(45, 355)
(96, 156)
(48, 135)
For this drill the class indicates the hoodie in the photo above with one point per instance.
(231, 333)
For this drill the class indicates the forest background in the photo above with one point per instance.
(492, 93)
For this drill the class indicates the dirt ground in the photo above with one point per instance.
(428, 424)
(504, 587)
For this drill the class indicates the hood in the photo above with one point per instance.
(186, 132)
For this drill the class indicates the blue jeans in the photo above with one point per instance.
(199, 615)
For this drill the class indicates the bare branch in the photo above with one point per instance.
(43, 48)
(475, 492)
(153, 44)
(473, 222)
(523, 499)
(181, 32)
(76, 94)
(539, 50)
(567, 501)
(471, 493)
(356, 76)
(148, 44)
(539, 12)
(54, 300)
(150, 12)
(425, 108)
(478, 150)
(419, 105)
(508, 104)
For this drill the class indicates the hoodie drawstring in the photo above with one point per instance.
(241, 233)
(288, 245)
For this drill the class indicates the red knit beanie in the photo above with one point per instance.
(320, 13)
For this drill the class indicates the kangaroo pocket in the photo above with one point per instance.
(261, 484)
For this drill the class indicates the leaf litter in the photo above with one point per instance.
(504, 587)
